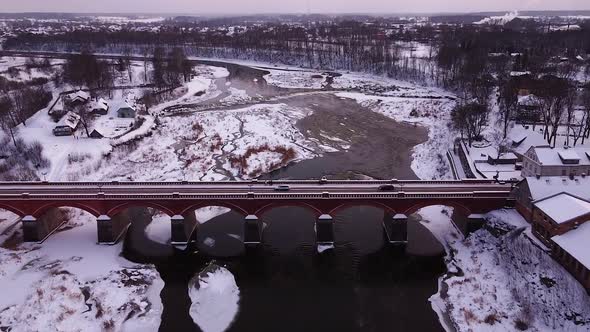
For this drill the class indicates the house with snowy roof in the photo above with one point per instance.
(571, 251)
(77, 98)
(99, 107)
(124, 110)
(562, 222)
(547, 161)
(67, 125)
(534, 189)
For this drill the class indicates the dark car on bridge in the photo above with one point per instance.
(387, 187)
(282, 187)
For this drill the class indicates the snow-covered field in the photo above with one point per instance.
(69, 283)
(295, 79)
(200, 145)
(500, 279)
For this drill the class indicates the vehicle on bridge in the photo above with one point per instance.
(282, 187)
(386, 187)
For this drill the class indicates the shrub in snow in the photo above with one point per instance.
(19, 162)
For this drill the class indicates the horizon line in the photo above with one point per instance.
(301, 13)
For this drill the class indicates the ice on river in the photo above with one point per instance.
(215, 299)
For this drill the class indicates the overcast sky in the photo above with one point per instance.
(285, 6)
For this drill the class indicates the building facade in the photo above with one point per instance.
(547, 161)
(562, 222)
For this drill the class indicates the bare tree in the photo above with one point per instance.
(552, 92)
(127, 63)
(86, 117)
(470, 119)
(507, 102)
(8, 120)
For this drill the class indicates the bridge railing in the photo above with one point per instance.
(242, 183)
(246, 196)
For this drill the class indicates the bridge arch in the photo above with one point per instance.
(308, 207)
(12, 209)
(124, 206)
(378, 205)
(43, 209)
(464, 210)
(206, 204)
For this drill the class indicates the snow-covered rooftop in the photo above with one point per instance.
(563, 207)
(568, 154)
(71, 120)
(524, 139)
(555, 157)
(123, 104)
(552, 185)
(575, 243)
(100, 104)
(79, 95)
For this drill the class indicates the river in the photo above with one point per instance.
(286, 285)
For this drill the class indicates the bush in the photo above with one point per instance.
(19, 164)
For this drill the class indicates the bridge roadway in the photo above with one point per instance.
(362, 189)
(38, 203)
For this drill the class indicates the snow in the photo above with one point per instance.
(563, 207)
(499, 276)
(58, 149)
(295, 79)
(555, 157)
(552, 185)
(70, 119)
(160, 229)
(236, 96)
(569, 155)
(43, 286)
(207, 213)
(575, 243)
(179, 149)
(215, 299)
(324, 247)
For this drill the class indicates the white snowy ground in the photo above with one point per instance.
(215, 297)
(24, 74)
(429, 159)
(57, 149)
(69, 283)
(295, 78)
(179, 150)
(498, 279)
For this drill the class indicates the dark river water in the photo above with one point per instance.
(286, 284)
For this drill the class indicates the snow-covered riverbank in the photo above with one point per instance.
(69, 283)
(501, 279)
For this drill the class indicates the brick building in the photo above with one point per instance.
(562, 222)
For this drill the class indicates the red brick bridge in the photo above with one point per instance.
(38, 203)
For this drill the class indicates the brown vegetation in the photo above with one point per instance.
(241, 162)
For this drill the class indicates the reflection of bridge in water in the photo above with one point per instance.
(38, 203)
